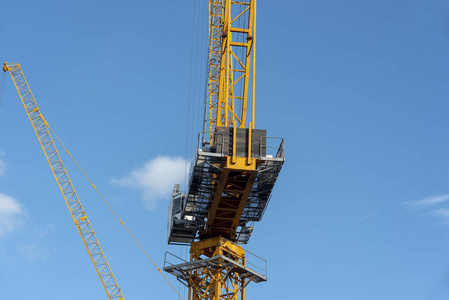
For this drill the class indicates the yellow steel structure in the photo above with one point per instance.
(218, 283)
(79, 217)
(231, 46)
(232, 174)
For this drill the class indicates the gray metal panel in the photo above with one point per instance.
(225, 140)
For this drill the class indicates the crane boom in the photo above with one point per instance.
(79, 217)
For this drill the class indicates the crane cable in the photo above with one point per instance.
(189, 97)
(115, 214)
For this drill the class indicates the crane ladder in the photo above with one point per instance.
(42, 131)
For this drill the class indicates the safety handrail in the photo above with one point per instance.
(280, 152)
(202, 133)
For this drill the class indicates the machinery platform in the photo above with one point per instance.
(183, 269)
(189, 211)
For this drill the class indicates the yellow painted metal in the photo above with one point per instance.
(234, 141)
(72, 201)
(236, 182)
(218, 282)
(240, 163)
(249, 159)
(216, 13)
(231, 46)
(253, 106)
(226, 170)
(115, 214)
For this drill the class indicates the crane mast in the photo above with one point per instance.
(231, 40)
(72, 201)
(234, 169)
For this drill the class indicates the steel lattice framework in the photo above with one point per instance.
(216, 13)
(80, 219)
(233, 173)
(221, 283)
(230, 183)
(231, 46)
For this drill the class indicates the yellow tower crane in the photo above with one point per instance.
(43, 133)
(234, 169)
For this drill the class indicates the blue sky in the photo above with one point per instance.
(357, 88)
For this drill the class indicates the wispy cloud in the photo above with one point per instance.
(11, 214)
(368, 216)
(433, 206)
(442, 214)
(155, 179)
(35, 251)
(29, 250)
(429, 201)
(41, 232)
(37, 246)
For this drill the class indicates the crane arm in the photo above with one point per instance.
(79, 217)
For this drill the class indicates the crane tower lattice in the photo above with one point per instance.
(234, 169)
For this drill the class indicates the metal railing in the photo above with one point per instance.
(252, 261)
(278, 153)
(202, 142)
(256, 263)
(169, 263)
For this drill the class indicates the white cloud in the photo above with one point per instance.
(437, 204)
(429, 201)
(11, 214)
(37, 245)
(41, 232)
(369, 216)
(155, 179)
(442, 213)
(29, 250)
(34, 251)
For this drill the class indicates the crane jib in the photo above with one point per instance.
(77, 212)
